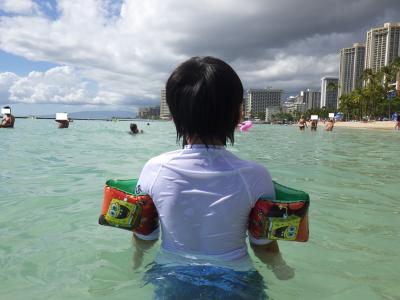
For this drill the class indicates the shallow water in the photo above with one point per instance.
(51, 192)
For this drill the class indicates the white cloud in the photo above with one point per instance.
(7, 80)
(129, 47)
(18, 6)
(59, 85)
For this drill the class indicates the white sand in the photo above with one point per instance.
(385, 125)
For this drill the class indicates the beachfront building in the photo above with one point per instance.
(270, 111)
(351, 68)
(164, 110)
(295, 103)
(329, 92)
(288, 105)
(311, 98)
(258, 100)
(382, 46)
(149, 112)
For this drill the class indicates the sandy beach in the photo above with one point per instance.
(381, 125)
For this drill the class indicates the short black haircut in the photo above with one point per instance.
(133, 127)
(204, 96)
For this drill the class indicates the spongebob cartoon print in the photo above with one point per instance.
(122, 213)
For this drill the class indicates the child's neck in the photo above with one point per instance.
(214, 142)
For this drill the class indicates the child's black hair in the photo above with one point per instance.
(204, 96)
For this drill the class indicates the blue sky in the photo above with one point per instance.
(20, 65)
(66, 55)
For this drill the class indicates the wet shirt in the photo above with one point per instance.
(203, 198)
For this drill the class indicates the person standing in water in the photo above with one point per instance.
(314, 125)
(302, 123)
(204, 193)
(329, 125)
(205, 88)
(8, 119)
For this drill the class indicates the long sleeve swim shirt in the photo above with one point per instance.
(204, 197)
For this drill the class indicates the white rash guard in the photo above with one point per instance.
(203, 198)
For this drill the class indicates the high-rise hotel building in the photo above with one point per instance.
(351, 68)
(164, 109)
(382, 46)
(258, 100)
(311, 98)
(329, 92)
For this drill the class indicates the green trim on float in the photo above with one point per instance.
(127, 186)
(287, 194)
(283, 193)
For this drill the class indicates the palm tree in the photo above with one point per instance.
(357, 97)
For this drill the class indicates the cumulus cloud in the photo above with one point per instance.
(7, 80)
(59, 85)
(18, 6)
(129, 47)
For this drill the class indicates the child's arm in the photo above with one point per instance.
(141, 247)
(271, 247)
(146, 180)
(272, 257)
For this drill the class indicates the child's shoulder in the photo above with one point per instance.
(163, 158)
(243, 163)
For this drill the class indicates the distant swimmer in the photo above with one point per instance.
(134, 129)
(302, 123)
(329, 125)
(63, 123)
(8, 119)
(62, 120)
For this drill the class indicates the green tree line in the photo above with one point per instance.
(373, 99)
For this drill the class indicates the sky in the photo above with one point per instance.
(68, 55)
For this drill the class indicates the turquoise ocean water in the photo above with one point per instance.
(51, 184)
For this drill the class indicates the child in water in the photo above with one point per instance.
(134, 129)
(203, 193)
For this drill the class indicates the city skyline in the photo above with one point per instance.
(69, 56)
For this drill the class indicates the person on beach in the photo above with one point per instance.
(302, 123)
(397, 126)
(203, 193)
(8, 119)
(329, 125)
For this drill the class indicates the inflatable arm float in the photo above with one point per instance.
(285, 218)
(124, 208)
